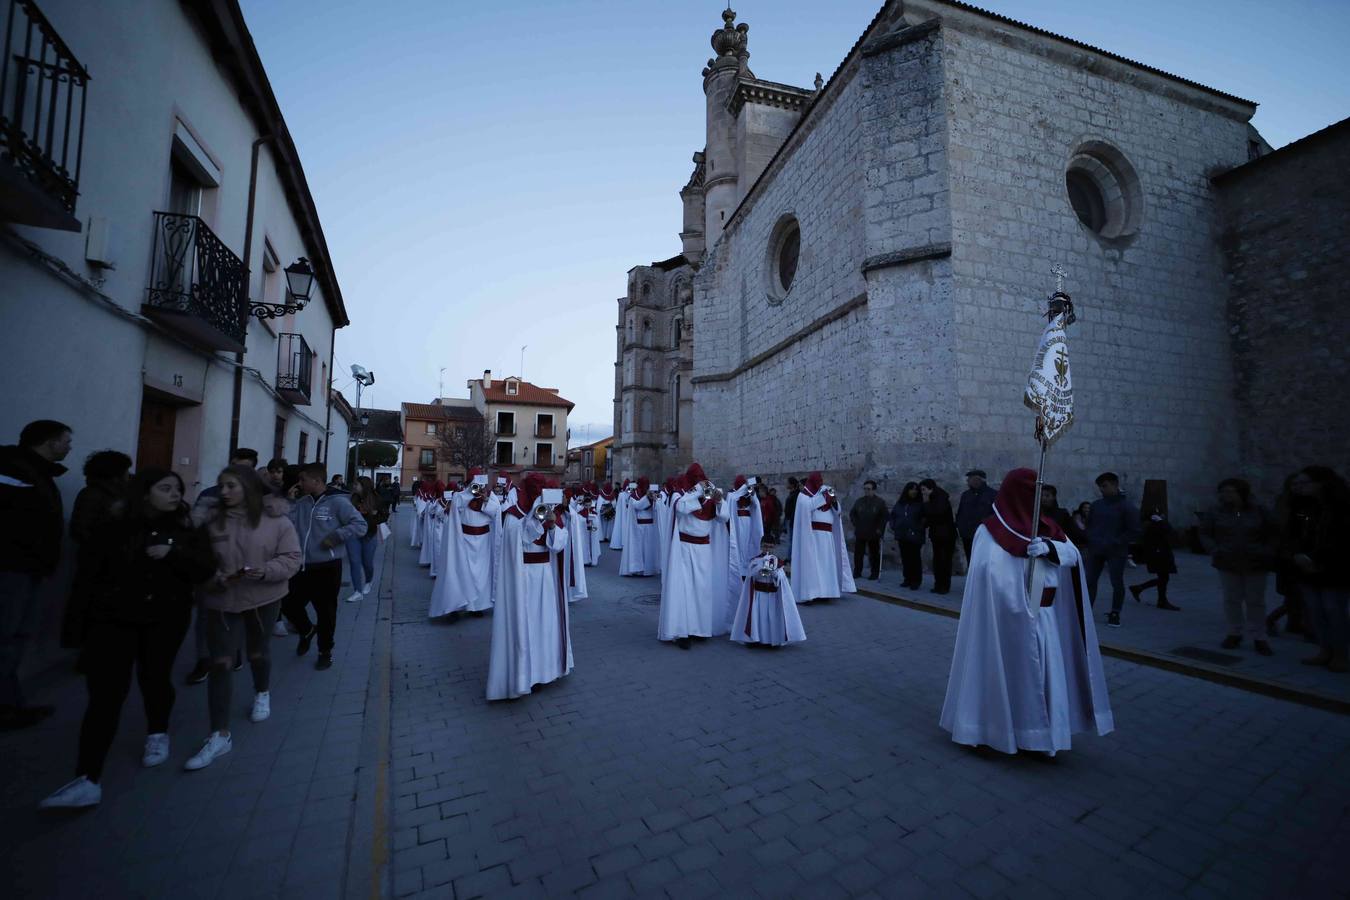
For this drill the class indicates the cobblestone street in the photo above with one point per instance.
(814, 770)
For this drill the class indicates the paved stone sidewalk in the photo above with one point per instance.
(1191, 636)
(818, 770)
(273, 818)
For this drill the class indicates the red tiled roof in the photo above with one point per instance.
(527, 395)
(436, 412)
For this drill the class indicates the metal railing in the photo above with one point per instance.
(295, 365)
(193, 274)
(42, 101)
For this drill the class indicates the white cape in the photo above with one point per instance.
(749, 529)
(697, 596)
(820, 566)
(1024, 676)
(574, 565)
(419, 507)
(465, 581)
(766, 616)
(641, 543)
(620, 521)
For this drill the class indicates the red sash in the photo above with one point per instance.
(822, 526)
(694, 539)
(474, 529)
(536, 557)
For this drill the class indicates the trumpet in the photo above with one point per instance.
(829, 491)
(768, 568)
(543, 511)
(476, 489)
(706, 489)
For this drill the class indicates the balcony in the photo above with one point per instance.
(425, 466)
(544, 431)
(295, 365)
(197, 284)
(42, 91)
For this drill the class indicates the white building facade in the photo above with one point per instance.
(131, 309)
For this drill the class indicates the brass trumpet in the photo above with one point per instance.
(768, 568)
(543, 511)
(829, 491)
(476, 489)
(707, 489)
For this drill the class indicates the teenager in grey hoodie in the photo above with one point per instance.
(324, 518)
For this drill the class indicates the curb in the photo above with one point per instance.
(368, 876)
(1303, 697)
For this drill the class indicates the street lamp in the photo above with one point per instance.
(299, 285)
(364, 379)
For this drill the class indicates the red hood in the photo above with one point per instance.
(1011, 523)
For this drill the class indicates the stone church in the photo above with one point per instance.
(865, 262)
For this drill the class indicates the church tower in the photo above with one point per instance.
(720, 176)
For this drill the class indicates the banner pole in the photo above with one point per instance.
(1036, 507)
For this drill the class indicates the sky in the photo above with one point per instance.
(487, 173)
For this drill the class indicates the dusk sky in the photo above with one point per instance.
(488, 172)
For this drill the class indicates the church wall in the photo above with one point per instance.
(776, 381)
(1151, 357)
(1286, 230)
(760, 131)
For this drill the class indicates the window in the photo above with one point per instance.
(543, 426)
(675, 333)
(784, 250)
(461, 434)
(304, 447)
(431, 428)
(505, 451)
(648, 379)
(646, 332)
(279, 438)
(427, 459)
(512, 387)
(506, 423)
(543, 455)
(1104, 191)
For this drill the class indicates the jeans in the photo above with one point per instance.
(1244, 603)
(358, 571)
(20, 612)
(316, 585)
(1328, 620)
(111, 650)
(369, 544)
(1114, 563)
(873, 548)
(911, 562)
(226, 630)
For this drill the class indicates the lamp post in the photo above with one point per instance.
(364, 379)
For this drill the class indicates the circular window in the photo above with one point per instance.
(785, 249)
(1104, 191)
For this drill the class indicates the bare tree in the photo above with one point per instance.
(466, 445)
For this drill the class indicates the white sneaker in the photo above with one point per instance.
(279, 629)
(366, 589)
(216, 746)
(262, 707)
(156, 750)
(78, 794)
(356, 595)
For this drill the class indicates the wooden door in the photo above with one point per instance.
(155, 444)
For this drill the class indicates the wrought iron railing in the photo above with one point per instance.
(42, 93)
(193, 273)
(295, 363)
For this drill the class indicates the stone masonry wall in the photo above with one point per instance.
(1286, 233)
(801, 407)
(1150, 355)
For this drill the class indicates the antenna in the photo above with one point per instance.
(522, 361)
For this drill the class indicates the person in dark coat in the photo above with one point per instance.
(1060, 516)
(770, 511)
(907, 524)
(937, 517)
(868, 517)
(145, 561)
(1155, 545)
(105, 485)
(32, 520)
(977, 504)
(1313, 539)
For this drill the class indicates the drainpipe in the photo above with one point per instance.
(248, 284)
(328, 398)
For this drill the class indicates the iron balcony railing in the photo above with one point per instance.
(197, 284)
(42, 104)
(295, 363)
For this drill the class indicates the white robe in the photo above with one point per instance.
(531, 639)
(574, 567)
(820, 566)
(749, 528)
(428, 541)
(606, 524)
(620, 520)
(766, 616)
(1024, 676)
(503, 503)
(641, 540)
(465, 583)
(696, 596)
(664, 513)
(590, 536)
(439, 531)
(419, 507)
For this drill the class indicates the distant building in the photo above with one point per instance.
(591, 461)
(383, 426)
(527, 423)
(425, 428)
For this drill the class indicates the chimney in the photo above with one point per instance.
(487, 379)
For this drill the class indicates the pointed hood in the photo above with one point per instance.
(1010, 525)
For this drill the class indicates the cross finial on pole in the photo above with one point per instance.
(1060, 274)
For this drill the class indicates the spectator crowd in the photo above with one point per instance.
(256, 551)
